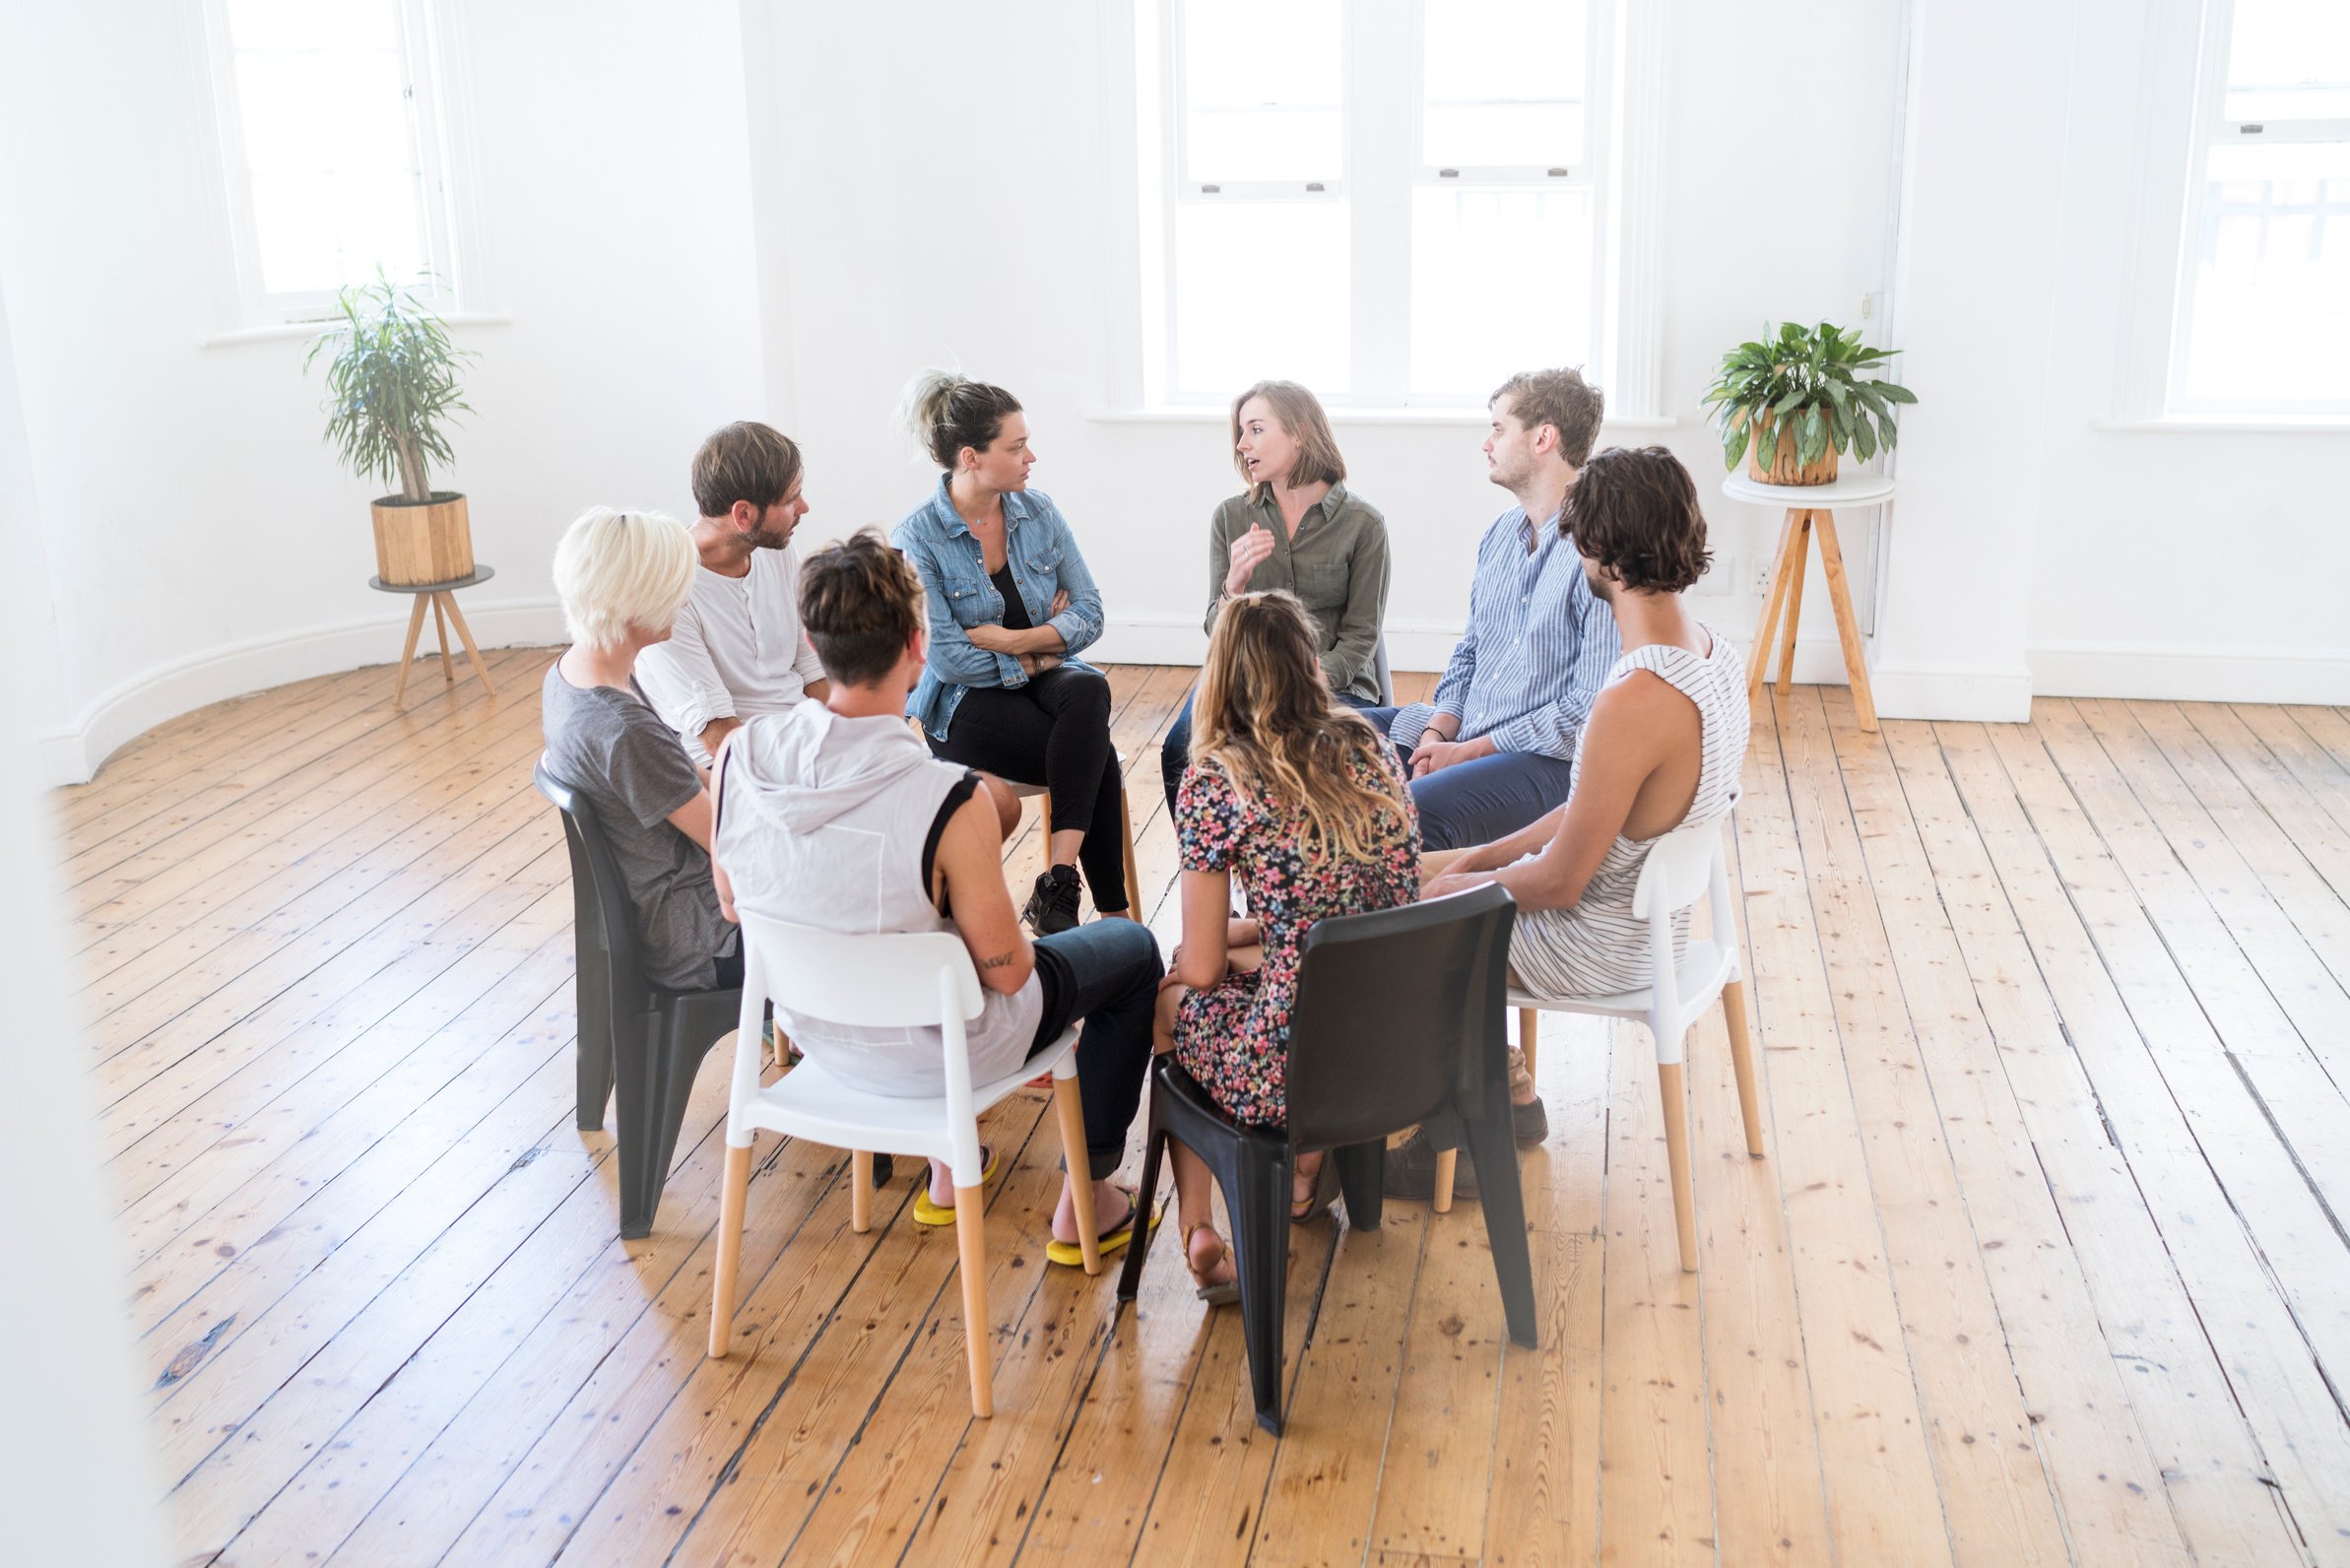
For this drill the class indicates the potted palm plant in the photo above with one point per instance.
(391, 386)
(1789, 403)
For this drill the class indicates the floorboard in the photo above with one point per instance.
(2046, 1259)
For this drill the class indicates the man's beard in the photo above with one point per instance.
(770, 539)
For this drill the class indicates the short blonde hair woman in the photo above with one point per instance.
(621, 576)
(1306, 804)
(1296, 527)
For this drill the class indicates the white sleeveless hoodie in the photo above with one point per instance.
(823, 823)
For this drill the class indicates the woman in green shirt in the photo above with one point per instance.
(1295, 527)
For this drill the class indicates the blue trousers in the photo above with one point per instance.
(1476, 803)
(1175, 752)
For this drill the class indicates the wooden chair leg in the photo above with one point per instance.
(440, 630)
(1847, 625)
(1741, 1062)
(1671, 1079)
(1530, 1027)
(407, 653)
(1794, 604)
(861, 1190)
(1758, 657)
(971, 1234)
(1070, 1112)
(730, 1248)
(1133, 880)
(465, 635)
(1447, 1160)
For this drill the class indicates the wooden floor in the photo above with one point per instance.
(2047, 1261)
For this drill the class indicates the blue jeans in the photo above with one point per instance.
(1175, 752)
(1476, 803)
(1106, 973)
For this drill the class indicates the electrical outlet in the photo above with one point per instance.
(1758, 579)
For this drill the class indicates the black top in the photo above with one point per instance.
(1015, 612)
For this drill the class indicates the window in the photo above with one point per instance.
(1383, 258)
(331, 147)
(2263, 308)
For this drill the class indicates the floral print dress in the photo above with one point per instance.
(1233, 1037)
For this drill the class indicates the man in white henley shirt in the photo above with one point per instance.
(736, 650)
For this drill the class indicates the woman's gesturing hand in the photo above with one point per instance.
(1249, 552)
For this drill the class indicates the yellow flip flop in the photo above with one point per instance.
(1070, 1255)
(927, 1212)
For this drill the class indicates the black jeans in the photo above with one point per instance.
(1175, 752)
(1106, 973)
(1055, 731)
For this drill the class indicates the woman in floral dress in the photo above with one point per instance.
(1301, 801)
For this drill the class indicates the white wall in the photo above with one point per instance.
(202, 541)
(971, 215)
(776, 208)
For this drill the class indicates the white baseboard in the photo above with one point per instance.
(2192, 674)
(74, 752)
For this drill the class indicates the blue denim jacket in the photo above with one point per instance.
(1044, 559)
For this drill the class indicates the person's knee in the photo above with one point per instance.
(1087, 695)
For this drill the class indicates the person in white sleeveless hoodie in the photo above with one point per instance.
(1662, 748)
(835, 814)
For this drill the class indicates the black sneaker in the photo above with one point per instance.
(1412, 1170)
(883, 1168)
(1053, 906)
(1529, 1123)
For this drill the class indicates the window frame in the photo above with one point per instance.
(1382, 166)
(432, 129)
(2162, 393)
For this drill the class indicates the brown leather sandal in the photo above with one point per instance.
(1217, 1294)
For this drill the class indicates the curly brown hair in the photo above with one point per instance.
(1633, 509)
(861, 601)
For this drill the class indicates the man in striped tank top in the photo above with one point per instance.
(1661, 749)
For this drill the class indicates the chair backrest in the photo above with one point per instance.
(1398, 1013)
(1681, 866)
(1381, 673)
(902, 979)
(611, 964)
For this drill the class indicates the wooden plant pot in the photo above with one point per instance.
(1780, 442)
(422, 542)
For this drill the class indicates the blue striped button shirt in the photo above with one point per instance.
(1540, 643)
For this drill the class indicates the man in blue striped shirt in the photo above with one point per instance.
(1496, 749)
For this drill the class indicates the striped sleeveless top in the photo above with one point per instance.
(1596, 947)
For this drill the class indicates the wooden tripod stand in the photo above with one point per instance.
(1808, 512)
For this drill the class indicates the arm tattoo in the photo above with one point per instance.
(998, 961)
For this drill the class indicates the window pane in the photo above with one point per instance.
(1503, 81)
(1261, 291)
(322, 90)
(2289, 59)
(1501, 282)
(1261, 91)
(2271, 304)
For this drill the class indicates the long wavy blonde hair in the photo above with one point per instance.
(1267, 719)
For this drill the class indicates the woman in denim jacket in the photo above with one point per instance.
(1011, 604)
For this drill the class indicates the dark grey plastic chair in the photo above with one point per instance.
(639, 1045)
(1398, 1019)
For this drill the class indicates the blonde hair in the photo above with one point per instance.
(1267, 720)
(1299, 414)
(617, 569)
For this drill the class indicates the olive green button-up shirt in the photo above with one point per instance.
(1337, 565)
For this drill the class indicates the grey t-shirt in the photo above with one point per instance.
(612, 748)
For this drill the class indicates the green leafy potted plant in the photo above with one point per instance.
(1789, 404)
(391, 386)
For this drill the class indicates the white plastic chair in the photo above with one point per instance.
(896, 980)
(1681, 865)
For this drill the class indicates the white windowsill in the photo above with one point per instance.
(312, 329)
(1342, 414)
(2246, 425)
